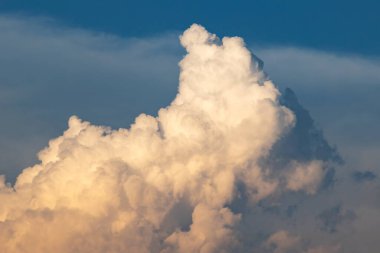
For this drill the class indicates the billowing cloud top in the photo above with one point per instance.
(169, 182)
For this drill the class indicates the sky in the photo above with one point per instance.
(340, 26)
(108, 62)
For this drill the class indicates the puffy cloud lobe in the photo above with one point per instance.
(103, 190)
(305, 177)
(210, 232)
(282, 241)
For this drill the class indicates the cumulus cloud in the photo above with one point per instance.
(340, 90)
(305, 176)
(282, 241)
(168, 183)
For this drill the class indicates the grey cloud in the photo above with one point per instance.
(340, 91)
(305, 142)
(363, 176)
(332, 217)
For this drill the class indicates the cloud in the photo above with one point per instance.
(94, 183)
(339, 90)
(307, 177)
(325, 249)
(51, 72)
(282, 242)
(332, 217)
(363, 176)
(306, 140)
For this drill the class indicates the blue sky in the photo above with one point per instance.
(340, 26)
(109, 61)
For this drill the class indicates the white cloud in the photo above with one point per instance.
(45, 66)
(93, 183)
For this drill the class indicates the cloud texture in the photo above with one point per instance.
(169, 182)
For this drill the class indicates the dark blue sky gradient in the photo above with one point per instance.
(340, 26)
